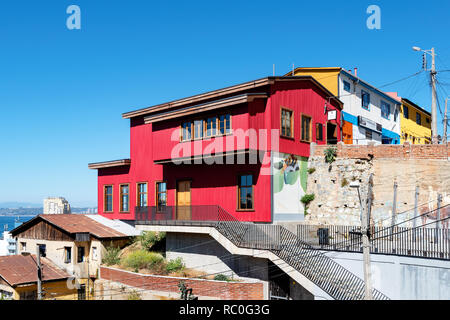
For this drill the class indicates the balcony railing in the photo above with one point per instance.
(422, 242)
(247, 235)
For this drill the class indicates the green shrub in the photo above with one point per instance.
(311, 170)
(111, 256)
(134, 295)
(307, 198)
(221, 277)
(330, 154)
(175, 265)
(149, 238)
(141, 259)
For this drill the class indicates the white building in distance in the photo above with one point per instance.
(56, 205)
(7, 244)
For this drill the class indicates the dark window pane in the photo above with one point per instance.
(249, 180)
(243, 180)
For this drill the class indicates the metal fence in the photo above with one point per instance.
(291, 249)
(425, 241)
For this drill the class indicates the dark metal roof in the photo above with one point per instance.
(217, 94)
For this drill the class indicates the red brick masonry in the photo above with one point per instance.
(387, 151)
(218, 289)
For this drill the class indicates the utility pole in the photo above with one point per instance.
(39, 275)
(88, 279)
(433, 72)
(394, 208)
(416, 204)
(365, 232)
(438, 218)
(434, 131)
(445, 121)
(366, 242)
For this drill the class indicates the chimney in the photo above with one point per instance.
(356, 72)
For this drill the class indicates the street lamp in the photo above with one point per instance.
(366, 245)
(434, 133)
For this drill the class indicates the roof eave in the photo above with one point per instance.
(109, 164)
(198, 98)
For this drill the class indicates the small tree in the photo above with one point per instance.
(306, 199)
(149, 238)
(111, 256)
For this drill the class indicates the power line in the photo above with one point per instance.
(400, 80)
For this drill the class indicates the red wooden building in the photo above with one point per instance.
(243, 148)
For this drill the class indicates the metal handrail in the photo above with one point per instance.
(327, 274)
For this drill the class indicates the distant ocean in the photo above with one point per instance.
(9, 220)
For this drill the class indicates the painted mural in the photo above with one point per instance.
(289, 183)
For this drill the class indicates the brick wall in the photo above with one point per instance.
(386, 151)
(207, 288)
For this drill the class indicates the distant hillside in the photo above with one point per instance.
(16, 205)
(37, 210)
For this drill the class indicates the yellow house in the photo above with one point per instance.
(18, 279)
(415, 123)
(327, 76)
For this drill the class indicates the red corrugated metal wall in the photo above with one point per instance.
(215, 184)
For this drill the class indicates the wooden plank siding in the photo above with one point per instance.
(45, 231)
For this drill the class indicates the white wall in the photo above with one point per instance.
(352, 105)
(402, 278)
(4, 251)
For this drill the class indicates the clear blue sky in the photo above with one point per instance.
(62, 91)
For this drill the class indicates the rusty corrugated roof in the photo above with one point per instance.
(20, 269)
(73, 223)
(78, 223)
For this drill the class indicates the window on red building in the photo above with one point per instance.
(210, 127)
(186, 131)
(224, 124)
(124, 197)
(319, 132)
(142, 194)
(198, 129)
(108, 201)
(161, 195)
(287, 125)
(245, 192)
(306, 128)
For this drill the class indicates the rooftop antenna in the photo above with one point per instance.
(274, 69)
(293, 68)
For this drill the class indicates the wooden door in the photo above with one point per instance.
(347, 132)
(184, 200)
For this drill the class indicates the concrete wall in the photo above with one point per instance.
(402, 278)
(425, 166)
(202, 252)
